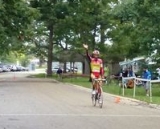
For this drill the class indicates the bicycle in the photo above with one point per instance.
(98, 95)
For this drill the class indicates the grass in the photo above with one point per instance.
(113, 88)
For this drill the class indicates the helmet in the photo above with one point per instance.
(95, 52)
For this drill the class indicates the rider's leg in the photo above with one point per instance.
(99, 87)
(93, 87)
(93, 84)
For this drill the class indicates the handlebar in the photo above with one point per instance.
(99, 79)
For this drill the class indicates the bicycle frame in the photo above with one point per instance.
(97, 84)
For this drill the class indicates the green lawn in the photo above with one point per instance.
(113, 88)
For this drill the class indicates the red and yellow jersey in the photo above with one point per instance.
(96, 66)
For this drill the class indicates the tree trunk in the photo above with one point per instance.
(70, 67)
(65, 67)
(41, 61)
(83, 67)
(50, 51)
(87, 67)
(73, 67)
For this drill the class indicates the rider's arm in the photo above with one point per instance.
(87, 53)
(88, 56)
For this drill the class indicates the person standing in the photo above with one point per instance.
(59, 73)
(146, 75)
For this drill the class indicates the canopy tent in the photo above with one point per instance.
(132, 62)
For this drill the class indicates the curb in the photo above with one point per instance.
(155, 106)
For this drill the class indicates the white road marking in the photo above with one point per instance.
(80, 115)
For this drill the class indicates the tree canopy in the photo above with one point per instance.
(15, 17)
(119, 29)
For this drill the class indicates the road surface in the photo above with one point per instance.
(29, 103)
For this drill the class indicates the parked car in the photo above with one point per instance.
(154, 76)
(73, 69)
(8, 67)
(5, 68)
(13, 68)
(54, 69)
(18, 68)
(25, 68)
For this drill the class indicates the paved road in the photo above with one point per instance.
(14, 75)
(28, 103)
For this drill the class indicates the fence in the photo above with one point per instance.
(150, 82)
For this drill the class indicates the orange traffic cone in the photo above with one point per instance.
(14, 77)
(117, 99)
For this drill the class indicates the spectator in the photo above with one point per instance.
(146, 75)
(125, 73)
(130, 73)
(130, 82)
(59, 73)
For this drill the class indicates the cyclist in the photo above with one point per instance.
(96, 66)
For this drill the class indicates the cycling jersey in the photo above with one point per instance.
(96, 66)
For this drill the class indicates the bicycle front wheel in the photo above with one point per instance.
(94, 99)
(100, 98)
(100, 101)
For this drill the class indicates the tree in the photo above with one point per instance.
(71, 23)
(15, 17)
(136, 26)
(14, 57)
(52, 12)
